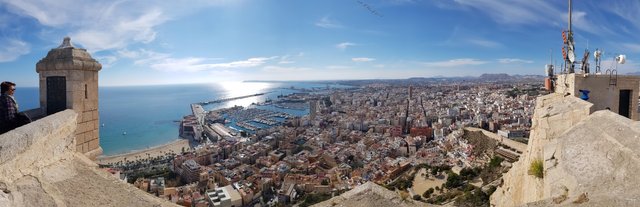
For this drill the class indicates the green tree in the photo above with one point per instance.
(417, 197)
(428, 192)
(495, 161)
(453, 180)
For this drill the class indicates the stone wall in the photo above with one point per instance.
(39, 166)
(554, 114)
(590, 158)
(602, 93)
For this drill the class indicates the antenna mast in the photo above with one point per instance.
(569, 16)
(570, 56)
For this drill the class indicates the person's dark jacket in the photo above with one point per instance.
(8, 113)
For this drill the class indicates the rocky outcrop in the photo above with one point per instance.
(370, 195)
(39, 166)
(589, 158)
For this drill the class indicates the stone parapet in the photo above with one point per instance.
(31, 147)
(39, 166)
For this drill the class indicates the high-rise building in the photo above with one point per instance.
(313, 108)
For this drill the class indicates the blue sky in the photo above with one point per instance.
(164, 42)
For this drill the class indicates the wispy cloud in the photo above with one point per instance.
(285, 62)
(362, 59)
(278, 69)
(514, 12)
(193, 64)
(288, 59)
(513, 60)
(328, 23)
(455, 62)
(119, 35)
(633, 47)
(95, 25)
(106, 61)
(627, 10)
(534, 13)
(102, 25)
(345, 45)
(11, 49)
(462, 37)
(143, 57)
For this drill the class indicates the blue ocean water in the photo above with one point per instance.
(149, 114)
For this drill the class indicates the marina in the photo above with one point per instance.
(231, 99)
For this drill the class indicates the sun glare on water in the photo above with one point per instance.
(236, 89)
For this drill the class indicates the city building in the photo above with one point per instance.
(224, 197)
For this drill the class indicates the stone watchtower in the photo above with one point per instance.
(69, 80)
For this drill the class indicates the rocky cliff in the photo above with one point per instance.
(370, 195)
(588, 158)
(39, 166)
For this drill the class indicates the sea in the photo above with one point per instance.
(139, 117)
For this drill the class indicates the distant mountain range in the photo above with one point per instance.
(486, 76)
(483, 77)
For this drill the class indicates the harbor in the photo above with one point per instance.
(237, 121)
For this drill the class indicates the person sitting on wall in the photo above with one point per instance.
(9, 116)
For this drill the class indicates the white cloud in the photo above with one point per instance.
(327, 23)
(106, 61)
(533, 13)
(193, 64)
(362, 59)
(345, 45)
(287, 59)
(11, 49)
(143, 56)
(278, 69)
(96, 25)
(120, 34)
(285, 62)
(633, 47)
(463, 37)
(515, 12)
(128, 53)
(513, 60)
(455, 62)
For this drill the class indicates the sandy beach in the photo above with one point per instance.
(175, 146)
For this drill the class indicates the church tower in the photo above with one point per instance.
(69, 80)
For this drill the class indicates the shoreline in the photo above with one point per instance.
(154, 151)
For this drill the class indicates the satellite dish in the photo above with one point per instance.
(572, 57)
(621, 59)
(597, 54)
